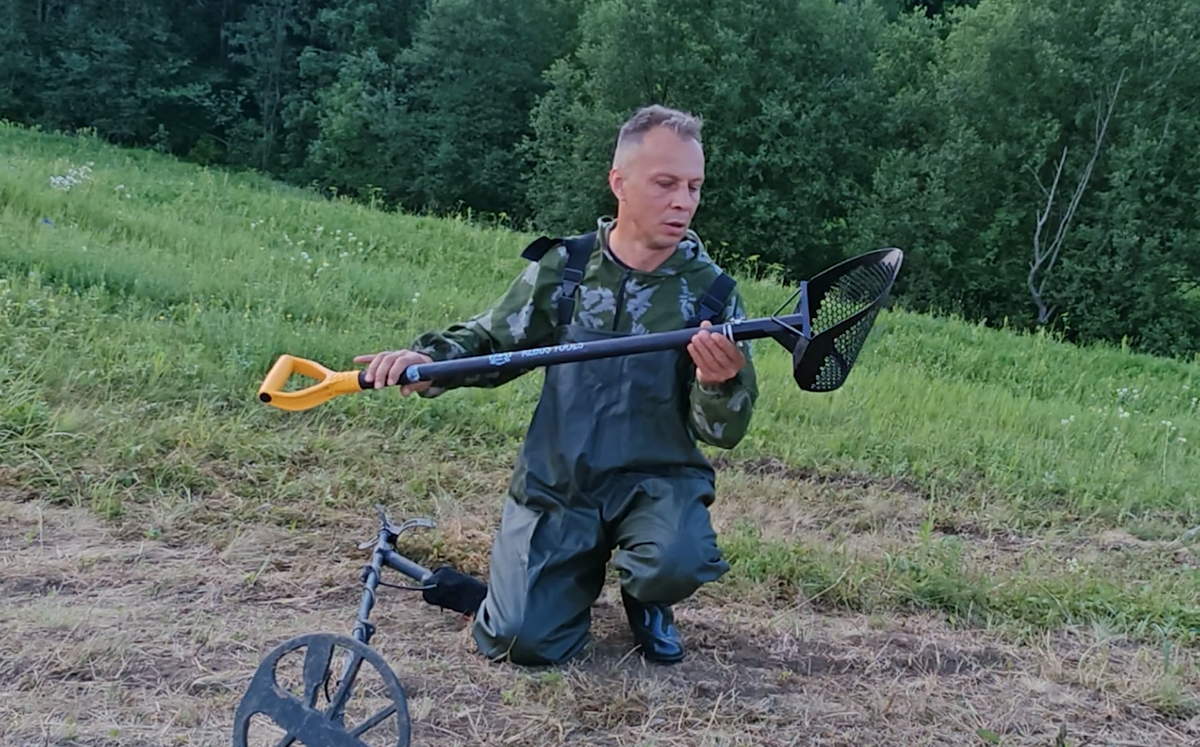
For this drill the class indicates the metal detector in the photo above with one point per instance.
(825, 334)
(298, 715)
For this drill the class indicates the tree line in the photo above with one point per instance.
(1038, 162)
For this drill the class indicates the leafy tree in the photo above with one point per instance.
(264, 45)
(435, 126)
(980, 132)
(18, 50)
(115, 66)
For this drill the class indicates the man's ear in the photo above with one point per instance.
(616, 182)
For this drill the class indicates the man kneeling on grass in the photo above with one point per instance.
(610, 460)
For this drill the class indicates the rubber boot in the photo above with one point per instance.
(654, 630)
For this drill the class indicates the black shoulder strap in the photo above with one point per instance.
(579, 250)
(538, 248)
(713, 302)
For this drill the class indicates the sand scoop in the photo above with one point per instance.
(825, 334)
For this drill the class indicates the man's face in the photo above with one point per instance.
(658, 187)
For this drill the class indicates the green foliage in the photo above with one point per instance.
(1008, 86)
(425, 128)
(832, 127)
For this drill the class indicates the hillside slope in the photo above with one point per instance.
(976, 509)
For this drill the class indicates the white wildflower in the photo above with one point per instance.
(73, 178)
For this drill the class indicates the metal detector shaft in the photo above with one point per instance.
(384, 556)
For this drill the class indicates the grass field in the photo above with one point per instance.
(983, 538)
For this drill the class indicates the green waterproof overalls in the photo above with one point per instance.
(609, 461)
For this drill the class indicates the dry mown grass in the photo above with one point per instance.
(110, 638)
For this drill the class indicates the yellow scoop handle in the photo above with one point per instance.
(329, 384)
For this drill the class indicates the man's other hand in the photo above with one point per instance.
(385, 369)
(717, 358)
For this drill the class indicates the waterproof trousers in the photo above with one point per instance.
(609, 470)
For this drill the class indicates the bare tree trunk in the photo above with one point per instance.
(274, 92)
(1045, 257)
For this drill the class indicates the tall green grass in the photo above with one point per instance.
(208, 276)
(141, 307)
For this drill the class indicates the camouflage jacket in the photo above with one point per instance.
(613, 297)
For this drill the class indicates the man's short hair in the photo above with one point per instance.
(683, 124)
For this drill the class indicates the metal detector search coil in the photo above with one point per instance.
(825, 334)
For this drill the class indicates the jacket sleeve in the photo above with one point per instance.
(522, 318)
(721, 415)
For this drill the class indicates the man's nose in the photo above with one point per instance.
(684, 198)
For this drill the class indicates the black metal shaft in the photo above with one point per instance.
(781, 328)
(398, 562)
(362, 627)
(383, 556)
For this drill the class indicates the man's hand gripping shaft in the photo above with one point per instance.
(386, 368)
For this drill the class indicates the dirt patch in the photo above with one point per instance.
(856, 517)
(35, 586)
(905, 656)
(109, 638)
(782, 502)
(774, 468)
